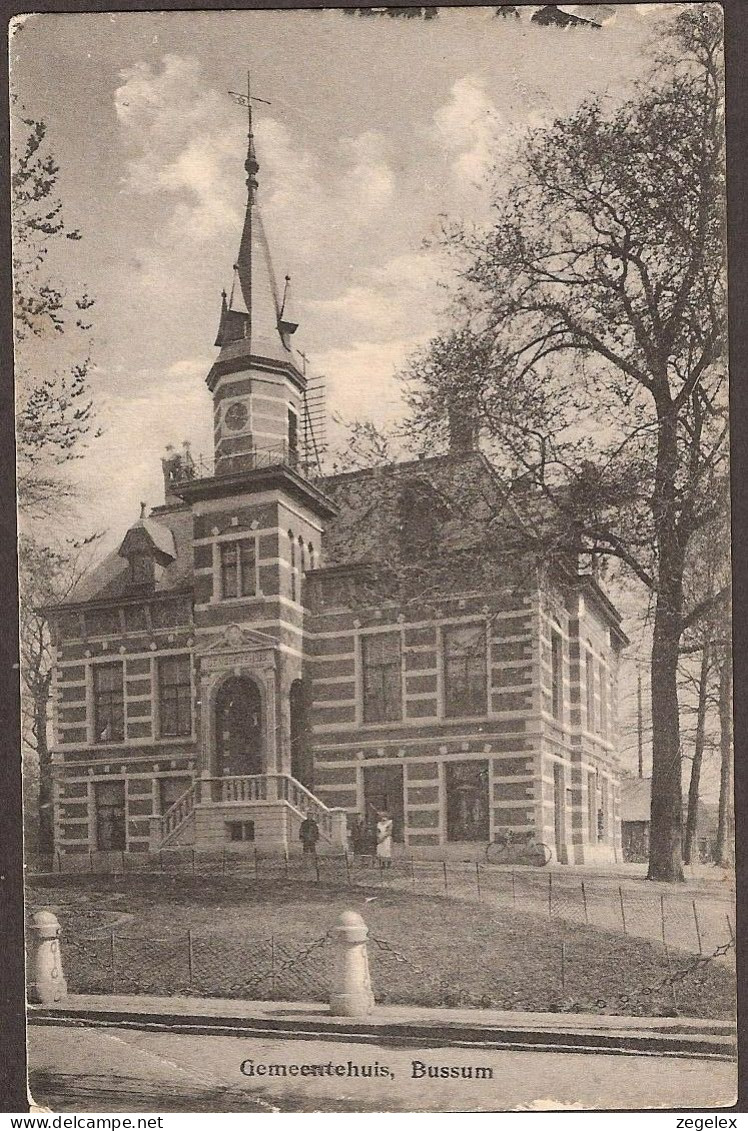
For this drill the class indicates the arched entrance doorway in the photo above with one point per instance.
(239, 728)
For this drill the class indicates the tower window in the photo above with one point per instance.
(294, 578)
(293, 436)
(382, 677)
(174, 696)
(238, 568)
(109, 702)
(557, 674)
(465, 677)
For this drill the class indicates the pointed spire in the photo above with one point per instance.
(261, 324)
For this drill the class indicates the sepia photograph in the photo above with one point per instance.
(373, 487)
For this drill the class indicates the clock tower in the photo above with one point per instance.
(258, 522)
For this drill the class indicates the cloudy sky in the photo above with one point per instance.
(376, 130)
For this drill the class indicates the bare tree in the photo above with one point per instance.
(593, 346)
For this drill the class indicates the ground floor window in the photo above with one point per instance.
(241, 830)
(467, 800)
(110, 816)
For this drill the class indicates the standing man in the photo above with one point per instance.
(309, 835)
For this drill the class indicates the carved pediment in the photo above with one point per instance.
(235, 639)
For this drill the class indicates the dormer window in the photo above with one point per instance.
(142, 570)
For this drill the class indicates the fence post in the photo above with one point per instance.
(623, 913)
(698, 930)
(671, 982)
(477, 878)
(662, 917)
(90, 860)
(446, 885)
(584, 901)
(49, 985)
(550, 895)
(351, 994)
(59, 862)
(189, 957)
(316, 866)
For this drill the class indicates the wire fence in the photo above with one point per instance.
(677, 920)
(557, 977)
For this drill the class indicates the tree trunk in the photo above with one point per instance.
(698, 755)
(726, 821)
(666, 814)
(46, 816)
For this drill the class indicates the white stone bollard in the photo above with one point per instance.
(351, 994)
(49, 985)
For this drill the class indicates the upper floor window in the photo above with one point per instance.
(174, 696)
(590, 679)
(557, 674)
(465, 673)
(109, 702)
(381, 664)
(238, 568)
(604, 691)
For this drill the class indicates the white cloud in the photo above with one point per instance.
(467, 126)
(370, 181)
(182, 142)
(361, 378)
(398, 298)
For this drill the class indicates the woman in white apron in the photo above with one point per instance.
(384, 840)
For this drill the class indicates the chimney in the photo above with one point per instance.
(463, 430)
(170, 465)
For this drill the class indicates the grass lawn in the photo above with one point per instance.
(229, 937)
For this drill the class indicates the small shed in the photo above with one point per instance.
(636, 799)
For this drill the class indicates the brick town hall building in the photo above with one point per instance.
(270, 642)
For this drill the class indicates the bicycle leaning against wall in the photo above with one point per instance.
(508, 848)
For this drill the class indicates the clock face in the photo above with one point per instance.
(236, 416)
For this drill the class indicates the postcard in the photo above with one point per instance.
(374, 546)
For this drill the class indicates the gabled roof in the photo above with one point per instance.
(110, 578)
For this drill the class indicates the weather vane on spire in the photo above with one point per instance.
(251, 164)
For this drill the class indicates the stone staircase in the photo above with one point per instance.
(271, 805)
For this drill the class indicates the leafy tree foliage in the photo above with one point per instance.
(54, 421)
(592, 345)
(54, 408)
